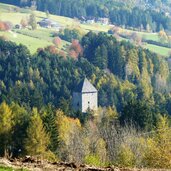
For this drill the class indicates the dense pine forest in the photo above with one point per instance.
(125, 14)
(131, 127)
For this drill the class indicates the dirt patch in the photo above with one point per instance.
(37, 165)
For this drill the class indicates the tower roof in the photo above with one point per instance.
(85, 87)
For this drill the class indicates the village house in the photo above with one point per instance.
(48, 23)
(92, 20)
(103, 21)
(85, 96)
(87, 20)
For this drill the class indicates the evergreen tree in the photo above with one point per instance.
(6, 124)
(49, 119)
(20, 119)
(37, 140)
(101, 57)
(140, 113)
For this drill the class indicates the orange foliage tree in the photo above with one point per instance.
(75, 49)
(5, 26)
(57, 42)
(52, 49)
(2, 26)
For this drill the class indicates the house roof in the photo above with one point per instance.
(49, 22)
(85, 87)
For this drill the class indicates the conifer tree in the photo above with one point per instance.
(49, 119)
(5, 128)
(37, 139)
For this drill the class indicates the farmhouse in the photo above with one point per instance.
(103, 21)
(90, 21)
(85, 96)
(48, 23)
(87, 20)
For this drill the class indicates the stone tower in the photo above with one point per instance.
(85, 96)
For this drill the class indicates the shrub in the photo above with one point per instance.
(93, 160)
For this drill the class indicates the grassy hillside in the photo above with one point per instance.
(42, 37)
(150, 36)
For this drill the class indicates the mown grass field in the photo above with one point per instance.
(43, 37)
(32, 43)
(145, 35)
(159, 50)
(33, 39)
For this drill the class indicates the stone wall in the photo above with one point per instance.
(89, 100)
(77, 101)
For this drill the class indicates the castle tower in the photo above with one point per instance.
(85, 96)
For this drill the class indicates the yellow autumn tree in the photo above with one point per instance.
(37, 141)
(158, 152)
(163, 36)
(69, 131)
(6, 124)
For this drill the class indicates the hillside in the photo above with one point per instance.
(120, 12)
(42, 37)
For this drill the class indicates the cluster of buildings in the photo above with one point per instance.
(49, 23)
(45, 23)
(92, 20)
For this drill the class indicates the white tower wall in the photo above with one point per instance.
(89, 101)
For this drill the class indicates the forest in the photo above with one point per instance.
(125, 14)
(131, 127)
(119, 70)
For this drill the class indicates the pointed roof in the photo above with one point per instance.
(85, 87)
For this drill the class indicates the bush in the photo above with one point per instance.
(126, 157)
(69, 35)
(93, 160)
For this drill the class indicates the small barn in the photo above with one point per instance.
(85, 96)
(103, 21)
(48, 23)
